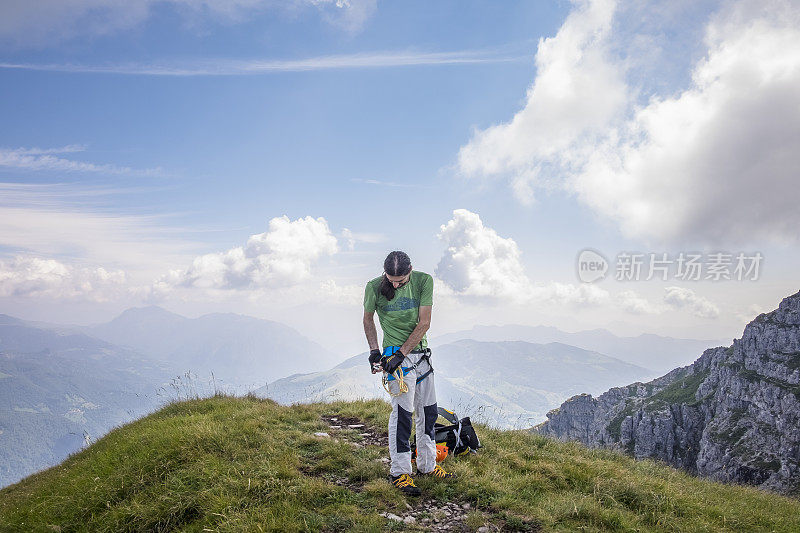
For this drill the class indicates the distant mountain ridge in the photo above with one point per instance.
(59, 390)
(509, 383)
(658, 353)
(62, 385)
(240, 350)
(732, 415)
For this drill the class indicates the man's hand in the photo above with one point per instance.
(392, 362)
(375, 361)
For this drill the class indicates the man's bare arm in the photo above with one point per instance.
(370, 330)
(419, 331)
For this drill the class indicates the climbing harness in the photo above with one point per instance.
(393, 371)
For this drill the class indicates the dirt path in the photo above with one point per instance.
(423, 513)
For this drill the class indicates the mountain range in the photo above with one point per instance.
(506, 384)
(59, 391)
(658, 353)
(64, 386)
(239, 350)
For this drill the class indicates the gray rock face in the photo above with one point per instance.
(733, 415)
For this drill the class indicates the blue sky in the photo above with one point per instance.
(263, 157)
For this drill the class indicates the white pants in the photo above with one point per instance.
(421, 399)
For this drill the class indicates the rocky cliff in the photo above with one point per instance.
(732, 415)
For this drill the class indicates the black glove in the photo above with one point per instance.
(390, 363)
(374, 358)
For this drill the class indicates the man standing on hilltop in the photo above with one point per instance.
(403, 299)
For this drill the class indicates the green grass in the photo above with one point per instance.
(614, 427)
(680, 391)
(245, 464)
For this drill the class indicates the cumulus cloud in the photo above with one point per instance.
(713, 161)
(577, 91)
(719, 160)
(477, 262)
(46, 21)
(683, 298)
(280, 257)
(26, 276)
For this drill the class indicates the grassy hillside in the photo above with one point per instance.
(245, 464)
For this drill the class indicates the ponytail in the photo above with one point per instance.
(397, 263)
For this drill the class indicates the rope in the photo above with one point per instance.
(398, 376)
(402, 386)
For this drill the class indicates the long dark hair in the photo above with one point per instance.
(397, 263)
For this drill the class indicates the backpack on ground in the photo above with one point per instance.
(458, 435)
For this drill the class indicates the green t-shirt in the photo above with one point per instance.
(400, 316)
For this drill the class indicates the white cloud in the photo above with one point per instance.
(38, 159)
(633, 303)
(280, 257)
(683, 298)
(717, 162)
(28, 276)
(577, 91)
(46, 21)
(713, 161)
(479, 263)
